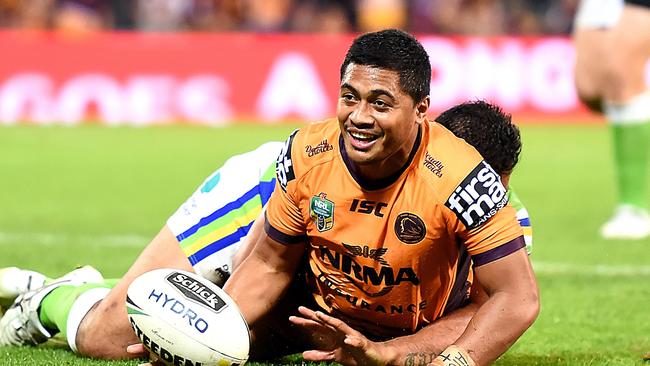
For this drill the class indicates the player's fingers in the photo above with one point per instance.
(318, 356)
(313, 315)
(297, 320)
(335, 323)
(307, 313)
(136, 349)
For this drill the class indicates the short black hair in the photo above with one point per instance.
(486, 127)
(394, 50)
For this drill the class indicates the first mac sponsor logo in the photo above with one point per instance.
(478, 197)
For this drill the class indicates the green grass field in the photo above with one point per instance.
(93, 195)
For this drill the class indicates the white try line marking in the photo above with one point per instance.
(605, 270)
(135, 240)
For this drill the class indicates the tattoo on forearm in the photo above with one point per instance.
(419, 358)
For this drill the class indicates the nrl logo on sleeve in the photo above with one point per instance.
(196, 291)
(284, 165)
(321, 211)
(478, 197)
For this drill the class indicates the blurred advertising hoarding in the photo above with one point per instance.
(213, 79)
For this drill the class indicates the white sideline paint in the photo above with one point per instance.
(135, 240)
(605, 270)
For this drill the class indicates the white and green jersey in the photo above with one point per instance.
(598, 14)
(524, 219)
(211, 225)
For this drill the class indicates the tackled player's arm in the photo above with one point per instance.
(422, 347)
(263, 276)
(511, 308)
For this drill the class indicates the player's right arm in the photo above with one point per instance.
(266, 273)
(263, 276)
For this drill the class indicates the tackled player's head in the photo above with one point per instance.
(486, 127)
(397, 51)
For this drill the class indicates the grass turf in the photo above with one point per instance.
(94, 195)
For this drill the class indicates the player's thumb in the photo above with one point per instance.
(136, 350)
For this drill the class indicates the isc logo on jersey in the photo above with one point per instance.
(478, 197)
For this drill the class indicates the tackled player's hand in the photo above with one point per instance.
(138, 350)
(336, 341)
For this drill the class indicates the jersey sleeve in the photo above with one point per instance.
(483, 219)
(284, 222)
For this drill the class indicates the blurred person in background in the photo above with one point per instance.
(9, 13)
(73, 16)
(326, 16)
(381, 14)
(476, 17)
(81, 15)
(267, 15)
(216, 15)
(491, 17)
(612, 49)
(26, 14)
(162, 15)
(466, 17)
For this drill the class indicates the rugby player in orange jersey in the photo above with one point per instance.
(453, 323)
(387, 217)
(482, 125)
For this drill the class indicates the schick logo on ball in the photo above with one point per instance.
(478, 197)
(196, 291)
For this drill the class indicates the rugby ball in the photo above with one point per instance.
(185, 319)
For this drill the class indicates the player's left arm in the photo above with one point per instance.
(338, 342)
(511, 308)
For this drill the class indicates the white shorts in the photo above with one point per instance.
(598, 14)
(211, 225)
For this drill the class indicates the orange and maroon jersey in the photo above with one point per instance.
(390, 257)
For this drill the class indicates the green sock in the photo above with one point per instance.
(55, 307)
(631, 147)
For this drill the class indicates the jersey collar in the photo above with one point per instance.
(373, 185)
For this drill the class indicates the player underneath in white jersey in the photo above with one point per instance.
(205, 234)
(612, 49)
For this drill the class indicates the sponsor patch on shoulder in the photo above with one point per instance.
(478, 197)
(284, 165)
(322, 147)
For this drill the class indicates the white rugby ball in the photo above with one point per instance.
(187, 320)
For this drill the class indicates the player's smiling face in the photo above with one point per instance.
(378, 121)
